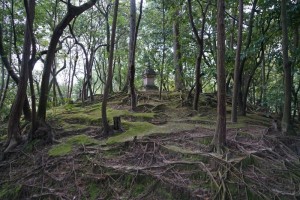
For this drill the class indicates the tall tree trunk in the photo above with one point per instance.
(241, 92)
(295, 60)
(163, 51)
(73, 11)
(13, 75)
(199, 39)
(132, 48)
(286, 118)
(179, 85)
(236, 83)
(263, 81)
(131, 63)
(106, 128)
(72, 75)
(220, 134)
(14, 135)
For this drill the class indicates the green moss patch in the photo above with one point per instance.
(237, 125)
(82, 140)
(66, 148)
(60, 150)
(91, 115)
(180, 150)
(138, 129)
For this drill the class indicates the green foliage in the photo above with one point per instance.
(3, 131)
(3, 137)
(4, 113)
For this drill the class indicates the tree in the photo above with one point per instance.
(13, 75)
(14, 135)
(179, 84)
(73, 11)
(242, 94)
(163, 50)
(199, 39)
(286, 119)
(237, 64)
(219, 140)
(132, 48)
(106, 128)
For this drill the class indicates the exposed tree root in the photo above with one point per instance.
(167, 166)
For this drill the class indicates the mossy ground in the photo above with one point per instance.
(71, 142)
(163, 153)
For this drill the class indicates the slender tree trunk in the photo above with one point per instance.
(295, 60)
(132, 48)
(106, 128)
(54, 98)
(241, 92)
(164, 50)
(73, 75)
(236, 83)
(108, 47)
(13, 75)
(220, 134)
(263, 81)
(286, 119)
(14, 135)
(199, 39)
(179, 85)
(90, 75)
(131, 62)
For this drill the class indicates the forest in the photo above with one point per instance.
(149, 99)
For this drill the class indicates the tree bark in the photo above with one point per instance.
(117, 123)
(286, 118)
(132, 48)
(236, 83)
(14, 136)
(13, 75)
(220, 134)
(163, 51)
(106, 128)
(179, 85)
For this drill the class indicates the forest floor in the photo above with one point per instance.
(163, 153)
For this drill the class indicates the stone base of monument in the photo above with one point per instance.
(150, 87)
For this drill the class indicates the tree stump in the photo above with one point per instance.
(117, 123)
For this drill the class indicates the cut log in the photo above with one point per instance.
(117, 123)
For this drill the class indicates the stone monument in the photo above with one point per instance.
(149, 78)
